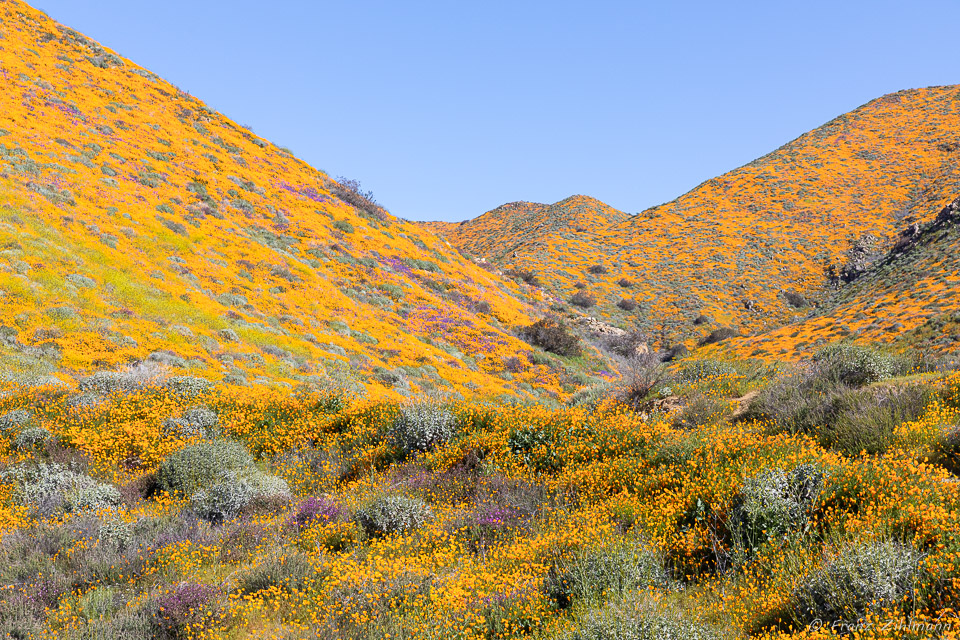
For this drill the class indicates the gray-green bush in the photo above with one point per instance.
(861, 579)
(856, 365)
(421, 427)
(51, 488)
(636, 621)
(30, 438)
(390, 513)
(197, 422)
(773, 504)
(843, 417)
(220, 478)
(14, 420)
(597, 575)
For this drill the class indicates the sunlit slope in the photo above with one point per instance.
(136, 221)
(733, 246)
(910, 297)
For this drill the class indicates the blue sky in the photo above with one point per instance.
(448, 109)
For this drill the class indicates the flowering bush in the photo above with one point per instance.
(314, 510)
(186, 609)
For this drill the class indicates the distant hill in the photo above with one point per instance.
(138, 224)
(517, 225)
(736, 249)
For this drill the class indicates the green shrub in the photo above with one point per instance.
(220, 478)
(865, 420)
(536, 447)
(292, 573)
(390, 513)
(702, 410)
(343, 225)
(590, 397)
(421, 427)
(772, 504)
(861, 579)
(845, 418)
(946, 450)
(598, 575)
(700, 370)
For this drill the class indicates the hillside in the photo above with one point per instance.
(907, 296)
(136, 223)
(733, 247)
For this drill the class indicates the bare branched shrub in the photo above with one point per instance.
(352, 193)
(644, 373)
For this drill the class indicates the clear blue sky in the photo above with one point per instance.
(448, 109)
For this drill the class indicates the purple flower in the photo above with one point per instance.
(307, 192)
(187, 605)
(312, 510)
(494, 517)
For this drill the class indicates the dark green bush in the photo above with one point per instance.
(551, 334)
(718, 335)
(583, 299)
(289, 572)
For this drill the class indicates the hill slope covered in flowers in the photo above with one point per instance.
(137, 223)
(223, 453)
(907, 297)
(733, 248)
